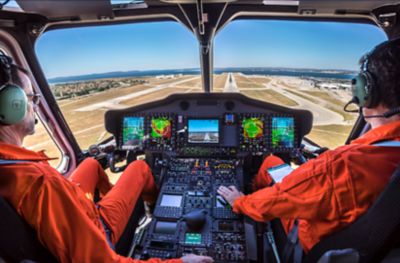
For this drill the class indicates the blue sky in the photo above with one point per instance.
(169, 45)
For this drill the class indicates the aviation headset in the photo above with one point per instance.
(13, 99)
(364, 89)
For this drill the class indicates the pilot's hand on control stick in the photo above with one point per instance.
(191, 258)
(229, 193)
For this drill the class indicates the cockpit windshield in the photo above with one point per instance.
(94, 69)
(298, 64)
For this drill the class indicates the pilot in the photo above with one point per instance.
(330, 192)
(62, 211)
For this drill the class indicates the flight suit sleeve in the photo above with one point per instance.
(64, 227)
(307, 193)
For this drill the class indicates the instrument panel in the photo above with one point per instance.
(209, 125)
(203, 141)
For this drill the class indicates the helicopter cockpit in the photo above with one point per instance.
(203, 91)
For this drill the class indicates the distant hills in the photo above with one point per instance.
(317, 73)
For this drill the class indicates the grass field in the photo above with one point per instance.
(260, 80)
(195, 83)
(219, 82)
(270, 96)
(243, 82)
(330, 136)
(326, 100)
(334, 104)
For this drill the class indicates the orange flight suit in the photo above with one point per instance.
(62, 211)
(329, 192)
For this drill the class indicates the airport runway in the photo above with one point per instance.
(230, 84)
(114, 103)
(322, 116)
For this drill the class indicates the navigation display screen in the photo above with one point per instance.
(171, 200)
(253, 128)
(203, 131)
(282, 132)
(133, 131)
(161, 128)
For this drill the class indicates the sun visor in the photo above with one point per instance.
(85, 9)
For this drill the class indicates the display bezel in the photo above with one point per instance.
(218, 119)
(163, 143)
(295, 135)
(171, 194)
(265, 138)
(121, 135)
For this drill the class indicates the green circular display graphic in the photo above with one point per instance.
(252, 128)
(161, 128)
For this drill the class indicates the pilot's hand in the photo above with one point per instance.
(191, 258)
(229, 193)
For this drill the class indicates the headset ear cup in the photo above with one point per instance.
(360, 93)
(13, 104)
(374, 95)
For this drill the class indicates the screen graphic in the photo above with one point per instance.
(282, 132)
(203, 131)
(193, 239)
(133, 131)
(252, 128)
(161, 128)
(171, 200)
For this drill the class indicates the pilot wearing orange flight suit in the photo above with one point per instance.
(61, 210)
(332, 191)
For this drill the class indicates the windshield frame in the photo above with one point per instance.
(175, 14)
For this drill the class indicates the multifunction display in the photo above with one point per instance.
(282, 132)
(133, 131)
(161, 128)
(253, 128)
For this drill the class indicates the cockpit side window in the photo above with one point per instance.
(93, 69)
(299, 64)
(41, 140)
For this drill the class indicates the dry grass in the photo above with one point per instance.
(219, 82)
(330, 136)
(260, 80)
(195, 83)
(270, 96)
(333, 103)
(154, 81)
(244, 82)
(325, 100)
(149, 97)
(304, 96)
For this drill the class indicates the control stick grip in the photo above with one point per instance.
(111, 158)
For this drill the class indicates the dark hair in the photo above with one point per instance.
(15, 77)
(384, 66)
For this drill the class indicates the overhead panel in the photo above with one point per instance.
(332, 7)
(85, 9)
